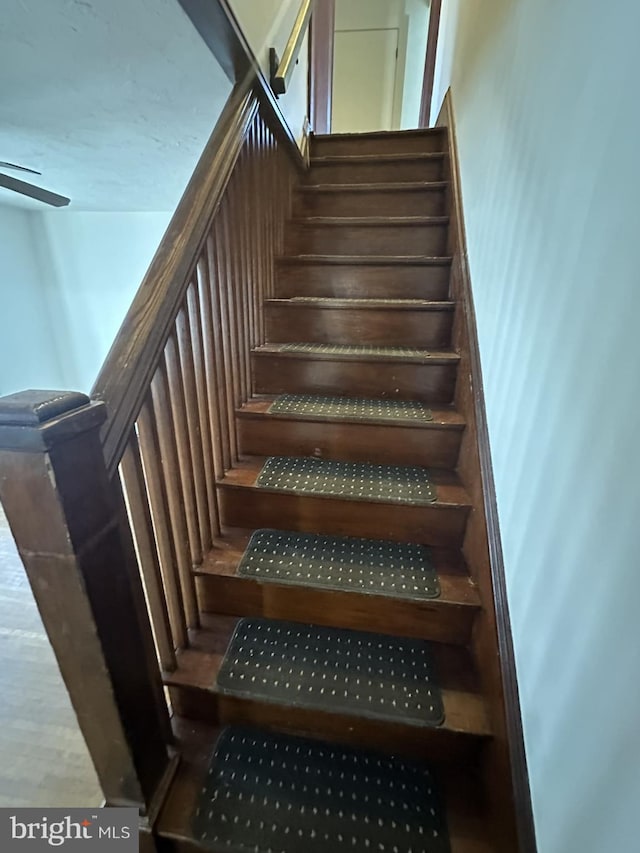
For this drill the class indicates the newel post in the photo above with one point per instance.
(66, 519)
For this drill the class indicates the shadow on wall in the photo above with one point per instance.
(91, 265)
(548, 142)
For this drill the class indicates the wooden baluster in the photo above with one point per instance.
(204, 404)
(62, 509)
(276, 197)
(269, 285)
(175, 388)
(210, 367)
(240, 233)
(171, 476)
(270, 195)
(231, 226)
(228, 324)
(196, 438)
(252, 241)
(251, 248)
(159, 506)
(258, 206)
(215, 364)
(142, 526)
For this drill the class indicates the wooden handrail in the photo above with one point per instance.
(131, 362)
(280, 79)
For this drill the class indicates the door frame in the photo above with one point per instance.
(430, 63)
(321, 65)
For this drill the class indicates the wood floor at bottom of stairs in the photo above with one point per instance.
(462, 796)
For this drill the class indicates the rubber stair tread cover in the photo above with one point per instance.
(267, 792)
(342, 563)
(351, 407)
(332, 670)
(404, 484)
(355, 349)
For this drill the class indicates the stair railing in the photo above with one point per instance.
(112, 499)
(181, 363)
(282, 69)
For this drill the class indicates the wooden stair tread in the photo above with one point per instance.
(364, 303)
(353, 159)
(449, 489)
(443, 416)
(436, 357)
(199, 665)
(373, 186)
(369, 221)
(367, 260)
(448, 618)
(462, 796)
(379, 134)
(456, 586)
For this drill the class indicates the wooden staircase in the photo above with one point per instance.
(362, 309)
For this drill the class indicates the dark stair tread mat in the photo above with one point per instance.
(274, 793)
(344, 563)
(334, 670)
(407, 484)
(356, 349)
(351, 407)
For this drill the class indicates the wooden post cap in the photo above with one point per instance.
(36, 420)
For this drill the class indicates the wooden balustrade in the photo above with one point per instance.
(126, 529)
(181, 364)
(130, 494)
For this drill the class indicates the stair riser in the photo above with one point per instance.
(351, 280)
(370, 203)
(430, 383)
(436, 744)
(430, 240)
(350, 442)
(380, 327)
(383, 173)
(431, 525)
(438, 621)
(433, 141)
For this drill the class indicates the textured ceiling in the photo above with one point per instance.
(112, 100)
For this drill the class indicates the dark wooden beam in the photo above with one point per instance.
(430, 63)
(219, 31)
(321, 69)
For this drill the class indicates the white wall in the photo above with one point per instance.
(68, 280)
(545, 96)
(28, 352)
(268, 24)
(92, 265)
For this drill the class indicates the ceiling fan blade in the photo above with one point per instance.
(5, 165)
(33, 192)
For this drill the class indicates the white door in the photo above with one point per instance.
(364, 77)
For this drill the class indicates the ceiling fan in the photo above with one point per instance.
(30, 190)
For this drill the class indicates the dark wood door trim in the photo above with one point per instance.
(430, 63)
(321, 67)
